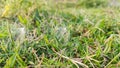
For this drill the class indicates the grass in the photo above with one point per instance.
(64, 34)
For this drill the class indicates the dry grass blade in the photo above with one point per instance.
(42, 57)
(73, 61)
(112, 60)
(34, 52)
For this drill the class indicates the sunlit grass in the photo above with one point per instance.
(59, 34)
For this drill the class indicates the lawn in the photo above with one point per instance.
(59, 34)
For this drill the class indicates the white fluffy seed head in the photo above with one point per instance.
(22, 31)
(21, 34)
(62, 33)
(18, 34)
